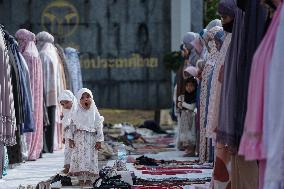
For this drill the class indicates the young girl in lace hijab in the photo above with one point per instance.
(69, 104)
(88, 135)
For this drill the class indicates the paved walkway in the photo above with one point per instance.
(32, 172)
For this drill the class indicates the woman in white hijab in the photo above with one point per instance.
(69, 104)
(88, 136)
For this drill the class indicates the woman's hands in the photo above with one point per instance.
(98, 145)
(71, 143)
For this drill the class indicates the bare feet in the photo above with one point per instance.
(66, 170)
(88, 183)
(71, 143)
(81, 183)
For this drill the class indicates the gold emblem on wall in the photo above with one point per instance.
(60, 18)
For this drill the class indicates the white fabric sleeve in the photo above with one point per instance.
(188, 106)
(100, 134)
(99, 125)
(69, 131)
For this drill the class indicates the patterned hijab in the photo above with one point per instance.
(68, 114)
(26, 40)
(227, 7)
(87, 120)
(213, 23)
(213, 54)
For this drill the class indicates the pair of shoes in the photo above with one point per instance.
(107, 172)
(119, 165)
(143, 160)
(56, 178)
(64, 180)
(56, 184)
(98, 182)
(113, 182)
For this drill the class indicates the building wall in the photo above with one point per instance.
(121, 44)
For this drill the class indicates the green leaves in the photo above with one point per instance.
(173, 60)
(210, 11)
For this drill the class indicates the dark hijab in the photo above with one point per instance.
(190, 97)
(228, 8)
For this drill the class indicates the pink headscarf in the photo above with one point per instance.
(28, 48)
(197, 44)
(191, 70)
(25, 39)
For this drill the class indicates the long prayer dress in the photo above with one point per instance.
(212, 59)
(49, 58)
(226, 131)
(15, 155)
(253, 145)
(29, 124)
(244, 174)
(203, 155)
(31, 55)
(255, 16)
(205, 132)
(255, 25)
(223, 159)
(84, 159)
(204, 103)
(273, 120)
(67, 123)
(215, 91)
(7, 112)
(74, 69)
(186, 132)
(62, 56)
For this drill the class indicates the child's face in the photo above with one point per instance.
(66, 104)
(225, 19)
(186, 75)
(189, 87)
(85, 101)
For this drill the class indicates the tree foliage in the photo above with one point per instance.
(210, 10)
(173, 60)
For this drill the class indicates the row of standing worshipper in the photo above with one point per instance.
(194, 48)
(32, 76)
(246, 98)
(240, 105)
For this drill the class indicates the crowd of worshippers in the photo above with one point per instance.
(227, 99)
(200, 53)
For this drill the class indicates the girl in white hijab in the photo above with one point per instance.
(69, 104)
(88, 136)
